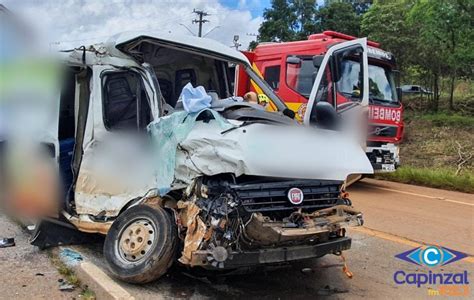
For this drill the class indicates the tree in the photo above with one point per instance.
(252, 45)
(433, 37)
(339, 16)
(279, 24)
(290, 20)
(360, 6)
(386, 23)
(287, 20)
(444, 42)
(305, 11)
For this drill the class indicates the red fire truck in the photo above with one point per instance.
(290, 68)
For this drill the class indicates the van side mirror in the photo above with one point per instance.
(318, 60)
(293, 60)
(289, 113)
(324, 116)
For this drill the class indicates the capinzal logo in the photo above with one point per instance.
(449, 283)
(431, 256)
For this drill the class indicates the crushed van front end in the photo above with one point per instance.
(227, 224)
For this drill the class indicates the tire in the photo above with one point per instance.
(141, 244)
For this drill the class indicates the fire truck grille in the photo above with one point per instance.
(383, 131)
(273, 197)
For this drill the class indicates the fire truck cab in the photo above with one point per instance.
(290, 68)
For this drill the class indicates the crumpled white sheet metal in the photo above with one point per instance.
(167, 133)
(184, 149)
(269, 150)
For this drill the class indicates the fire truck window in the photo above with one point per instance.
(272, 76)
(349, 83)
(324, 90)
(381, 84)
(300, 77)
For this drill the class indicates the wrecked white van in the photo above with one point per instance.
(229, 186)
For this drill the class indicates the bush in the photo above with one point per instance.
(436, 178)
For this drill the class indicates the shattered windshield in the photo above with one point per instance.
(381, 83)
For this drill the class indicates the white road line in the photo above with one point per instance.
(421, 195)
(454, 201)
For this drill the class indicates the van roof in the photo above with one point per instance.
(212, 47)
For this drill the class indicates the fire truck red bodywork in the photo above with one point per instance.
(385, 119)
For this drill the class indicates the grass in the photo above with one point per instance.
(87, 294)
(434, 146)
(451, 120)
(71, 277)
(436, 178)
(64, 270)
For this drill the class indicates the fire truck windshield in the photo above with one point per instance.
(381, 84)
(300, 78)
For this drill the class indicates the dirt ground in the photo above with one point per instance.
(25, 271)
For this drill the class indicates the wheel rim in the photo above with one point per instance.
(136, 240)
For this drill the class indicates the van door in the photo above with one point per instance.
(116, 165)
(348, 59)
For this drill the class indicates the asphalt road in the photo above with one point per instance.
(25, 271)
(420, 214)
(398, 218)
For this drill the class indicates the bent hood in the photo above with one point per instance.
(269, 150)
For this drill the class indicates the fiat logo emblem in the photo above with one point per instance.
(295, 195)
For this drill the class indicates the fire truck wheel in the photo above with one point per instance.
(141, 244)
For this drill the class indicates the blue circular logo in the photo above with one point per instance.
(432, 256)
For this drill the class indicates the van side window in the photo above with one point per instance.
(272, 76)
(125, 102)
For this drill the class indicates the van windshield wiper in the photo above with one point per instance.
(245, 123)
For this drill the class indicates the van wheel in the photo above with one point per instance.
(141, 244)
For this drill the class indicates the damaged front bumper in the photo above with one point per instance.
(274, 255)
(302, 227)
(263, 240)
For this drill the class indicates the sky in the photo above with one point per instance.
(70, 23)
